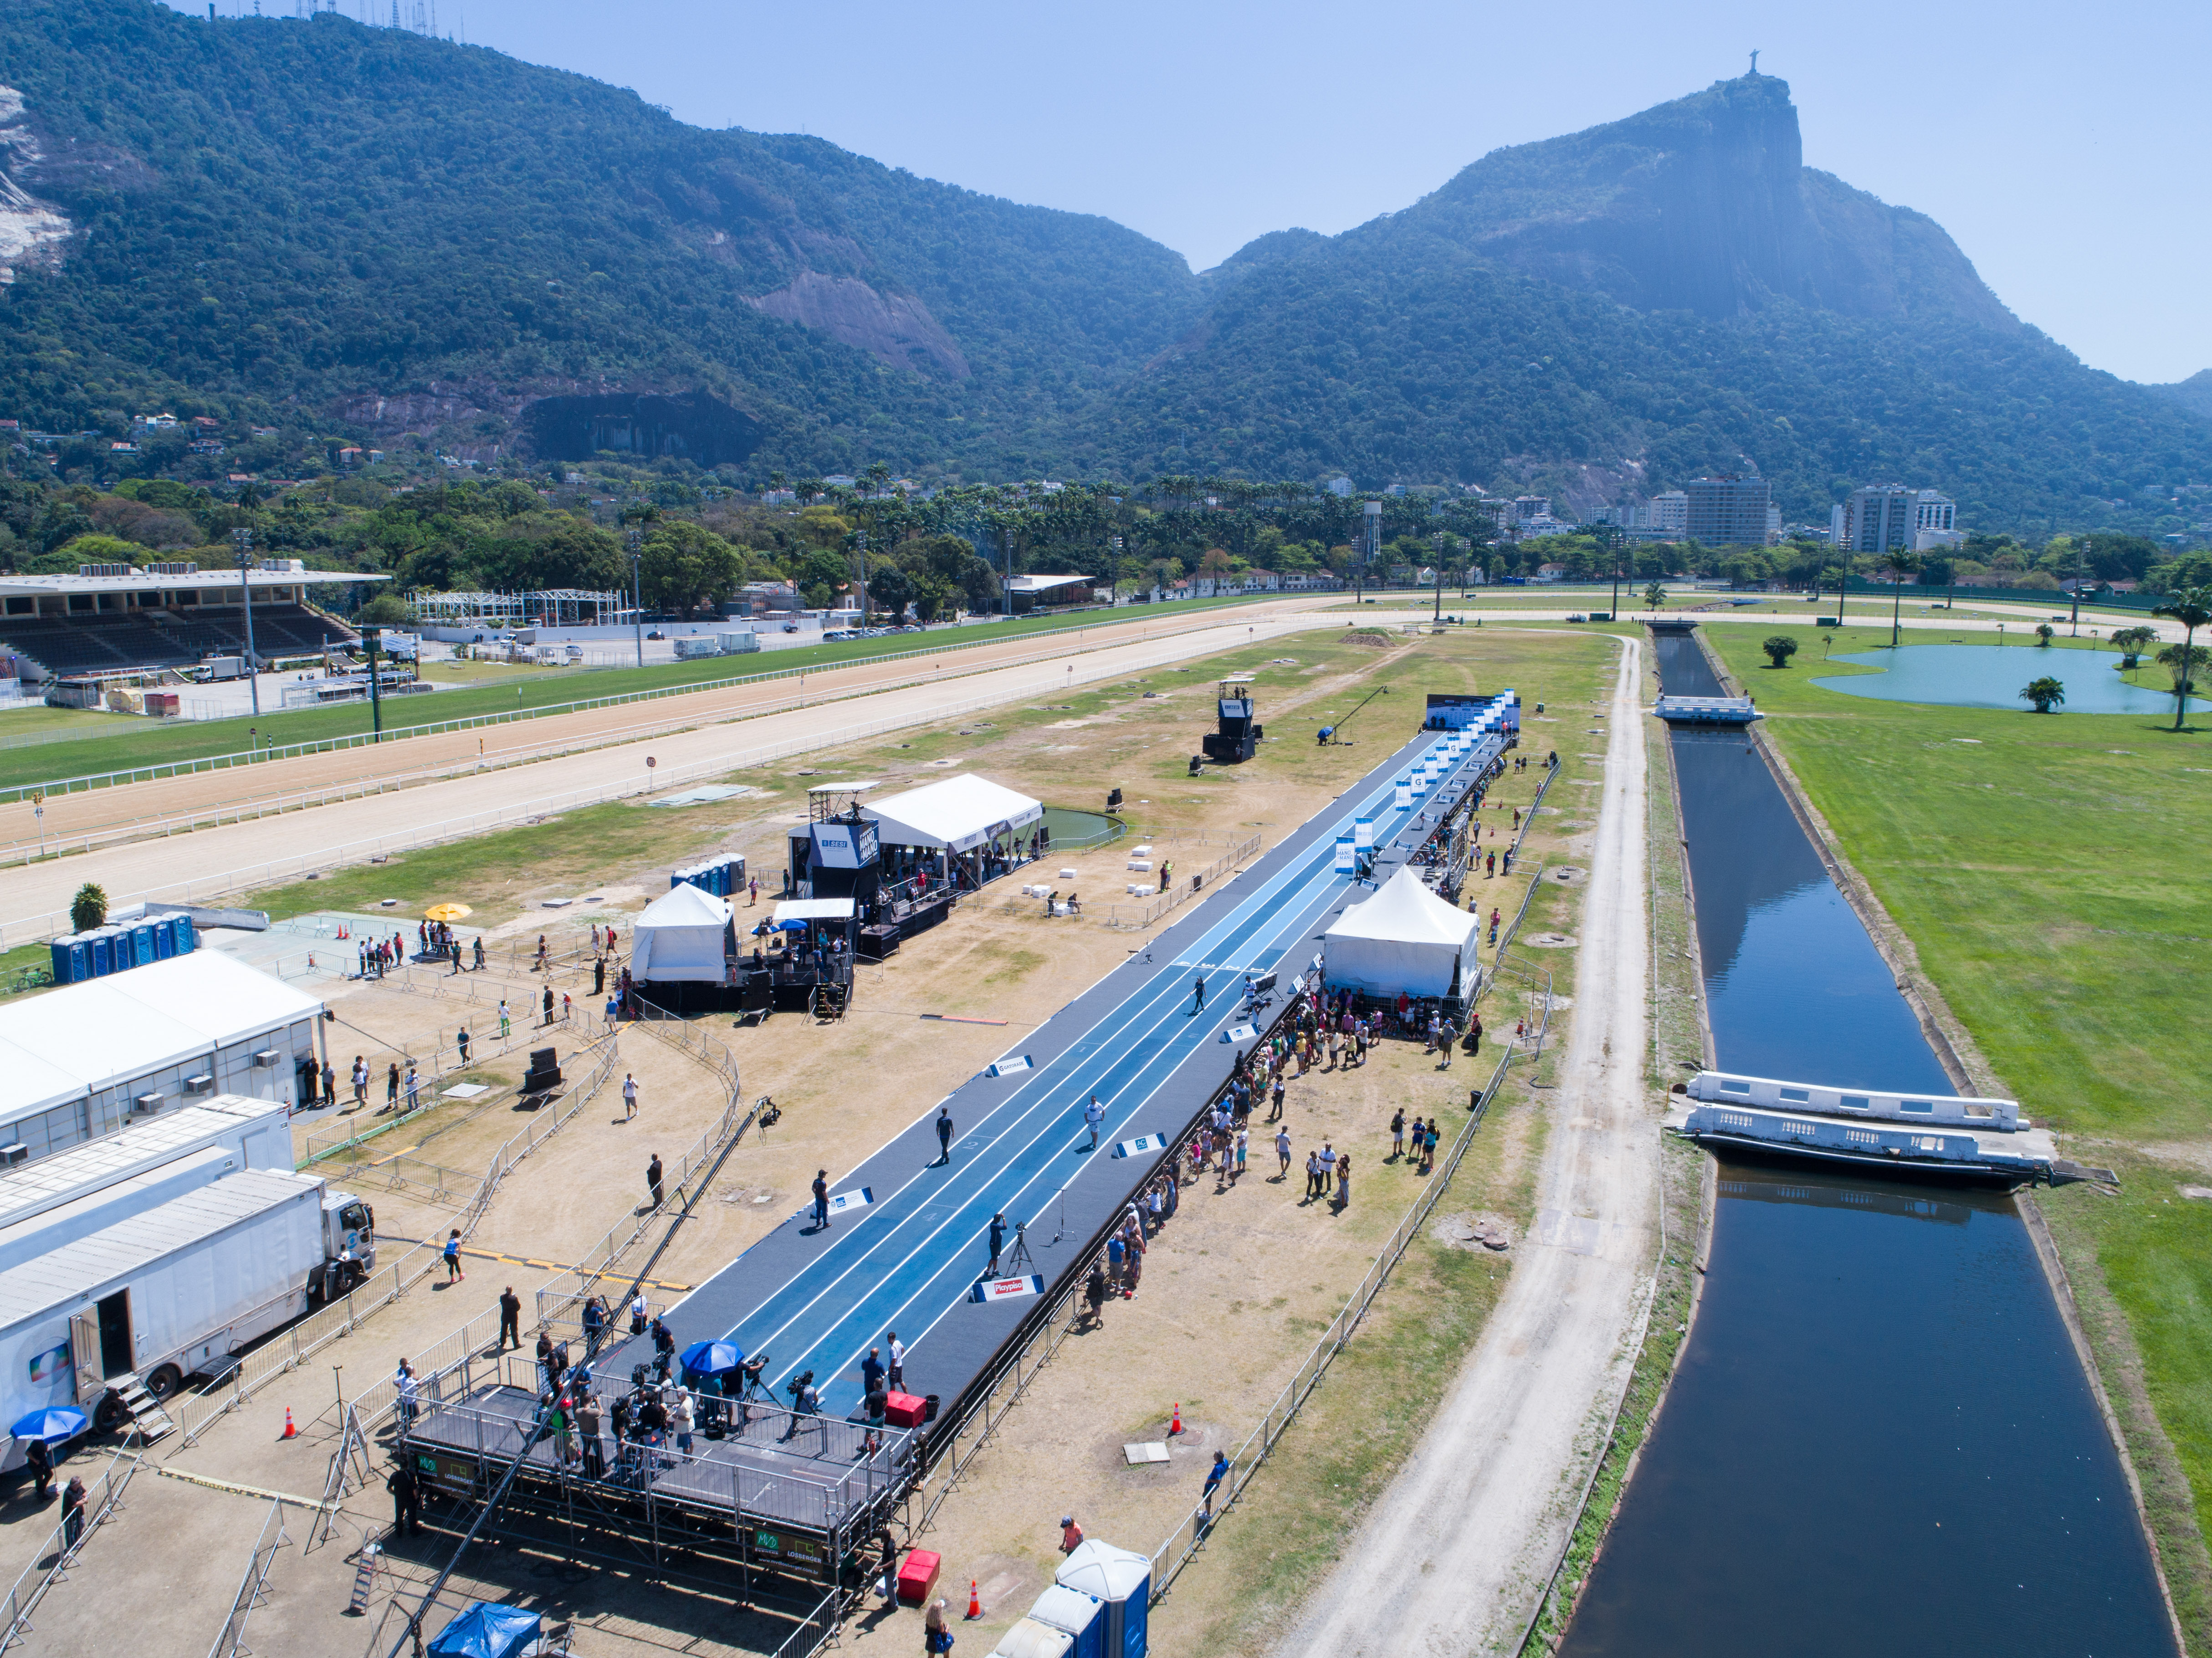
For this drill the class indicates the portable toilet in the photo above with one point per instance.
(143, 944)
(1083, 1618)
(1123, 1581)
(165, 938)
(188, 939)
(72, 959)
(103, 953)
(1030, 1639)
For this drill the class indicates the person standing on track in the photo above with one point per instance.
(1198, 989)
(1095, 1114)
(896, 1374)
(822, 1199)
(998, 1243)
(945, 1135)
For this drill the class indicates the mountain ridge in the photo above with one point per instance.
(357, 232)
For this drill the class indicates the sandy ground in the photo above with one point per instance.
(158, 805)
(1453, 1558)
(1241, 1277)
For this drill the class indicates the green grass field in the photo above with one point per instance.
(2050, 870)
(145, 744)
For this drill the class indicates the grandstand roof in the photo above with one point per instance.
(17, 587)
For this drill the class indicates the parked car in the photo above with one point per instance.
(790, 627)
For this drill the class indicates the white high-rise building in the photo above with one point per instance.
(1670, 512)
(1880, 518)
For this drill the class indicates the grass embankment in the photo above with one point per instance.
(2049, 871)
(140, 742)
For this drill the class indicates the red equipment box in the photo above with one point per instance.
(903, 1410)
(917, 1578)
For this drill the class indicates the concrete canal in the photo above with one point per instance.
(1879, 1438)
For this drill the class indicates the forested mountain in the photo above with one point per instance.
(348, 232)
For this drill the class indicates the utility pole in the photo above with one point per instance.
(2080, 550)
(637, 592)
(1436, 617)
(1007, 585)
(245, 540)
(860, 555)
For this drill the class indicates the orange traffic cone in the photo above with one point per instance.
(290, 1432)
(974, 1602)
(1174, 1426)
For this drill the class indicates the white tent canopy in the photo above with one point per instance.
(682, 935)
(1405, 938)
(90, 1035)
(959, 814)
(814, 909)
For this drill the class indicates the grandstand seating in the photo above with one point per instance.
(160, 639)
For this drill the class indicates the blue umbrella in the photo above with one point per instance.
(712, 1358)
(53, 1424)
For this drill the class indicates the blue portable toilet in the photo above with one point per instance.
(165, 938)
(144, 945)
(103, 955)
(72, 959)
(122, 949)
(1080, 1615)
(188, 939)
(1123, 1581)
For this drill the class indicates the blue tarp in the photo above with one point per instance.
(485, 1630)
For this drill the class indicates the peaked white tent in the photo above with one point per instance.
(959, 814)
(682, 935)
(1405, 938)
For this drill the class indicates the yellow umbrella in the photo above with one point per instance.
(445, 913)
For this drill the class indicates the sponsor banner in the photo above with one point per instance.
(1141, 1146)
(1007, 1289)
(1242, 1032)
(1347, 855)
(1011, 1064)
(859, 1197)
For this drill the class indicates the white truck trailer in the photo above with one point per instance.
(257, 1132)
(173, 1291)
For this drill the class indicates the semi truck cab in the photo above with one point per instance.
(349, 1247)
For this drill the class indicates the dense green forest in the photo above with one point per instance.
(318, 234)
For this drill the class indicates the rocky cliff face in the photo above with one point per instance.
(1704, 204)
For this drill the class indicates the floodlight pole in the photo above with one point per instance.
(2076, 624)
(245, 540)
(637, 595)
(368, 638)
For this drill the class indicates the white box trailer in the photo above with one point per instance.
(256, 1129)
(52, 1229)
(171, 1292)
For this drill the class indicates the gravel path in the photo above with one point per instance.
(1453, 1557)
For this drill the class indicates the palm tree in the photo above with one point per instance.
(2130, 642)
(1900, 564)
(2192, 608)
(1654, 596)
(2045, 693)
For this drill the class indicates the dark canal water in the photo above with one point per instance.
(1880, 1440)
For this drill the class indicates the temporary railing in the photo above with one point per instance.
(27, 929)
(1185, 1540)
(308, 1336)
(253, 1589)
(31, 1587)
(1140, 916)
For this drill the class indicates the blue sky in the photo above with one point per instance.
(2062, 147)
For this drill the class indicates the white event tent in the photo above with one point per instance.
(956, 815)
(683, 936)
(80, 1061)
(1405, 938)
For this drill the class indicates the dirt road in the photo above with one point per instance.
(1451, 1560)
(207, 863)
(159, 805)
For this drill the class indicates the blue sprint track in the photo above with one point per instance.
(818, 1298)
